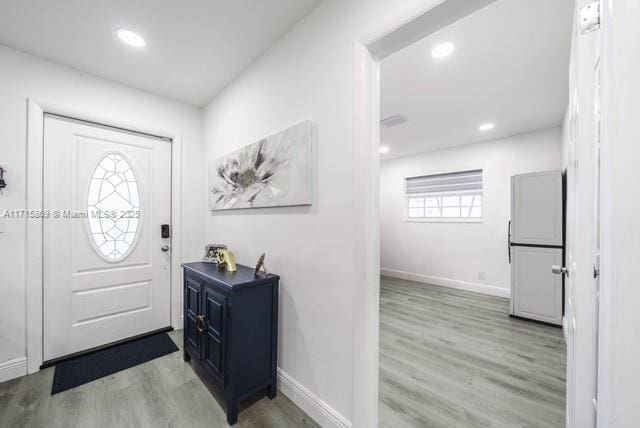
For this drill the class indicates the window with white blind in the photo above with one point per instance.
(445, 197)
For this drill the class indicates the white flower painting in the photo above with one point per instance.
(273, 172)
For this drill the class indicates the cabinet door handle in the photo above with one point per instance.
(200, 323)
(509, 241)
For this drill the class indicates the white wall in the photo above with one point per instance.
(453, 254)
(23, 76)
(308, 74)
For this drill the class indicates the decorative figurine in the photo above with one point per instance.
(211, 252)
(226, 259)
(260, 265)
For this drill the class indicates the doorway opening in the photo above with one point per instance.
(472, 135)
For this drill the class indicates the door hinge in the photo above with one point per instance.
(590, 17)
(596, 272)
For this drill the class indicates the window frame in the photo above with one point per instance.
(407, 198)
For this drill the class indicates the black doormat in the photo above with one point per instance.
(95, 365)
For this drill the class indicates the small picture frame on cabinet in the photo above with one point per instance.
(211, 253)
(260, 265)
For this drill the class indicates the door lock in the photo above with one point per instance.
(164, 248)
(3, 183)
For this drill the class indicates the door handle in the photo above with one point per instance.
(509, 241)
(200, 323)
(560, 270)
(165, 248)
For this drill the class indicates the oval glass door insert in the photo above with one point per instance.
(114, 209)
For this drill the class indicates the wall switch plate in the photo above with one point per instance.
(481, 275)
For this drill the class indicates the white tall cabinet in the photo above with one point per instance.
(536, 244)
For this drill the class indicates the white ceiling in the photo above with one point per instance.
(194, 47)
(510, 67)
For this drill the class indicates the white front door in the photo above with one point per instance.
(106, 266)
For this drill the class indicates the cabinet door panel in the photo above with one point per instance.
(193, 303)
(214, 309)
(536, 208)
(537, 292)
(213, 354)
(214, 346)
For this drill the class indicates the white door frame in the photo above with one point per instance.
(34, 251)
(394, 34)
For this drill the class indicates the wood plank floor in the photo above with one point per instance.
(451, 358)
(165, 392)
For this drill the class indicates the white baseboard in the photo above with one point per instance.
(13, 368)
(322, 413)
(491, 290)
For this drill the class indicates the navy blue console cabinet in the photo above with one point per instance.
(230, 330)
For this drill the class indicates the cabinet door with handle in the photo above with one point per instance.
(536, 208)
(193, 316)
(537, 291)
(215, 310)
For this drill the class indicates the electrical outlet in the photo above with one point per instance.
(481, 276)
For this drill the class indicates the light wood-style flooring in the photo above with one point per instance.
(451, 358)
(164, 392)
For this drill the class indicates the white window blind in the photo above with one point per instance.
(456, 195)
(454, 182)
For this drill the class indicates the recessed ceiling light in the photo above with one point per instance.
(442, 50)
(384, 149)
(131, 38)
(486, 126)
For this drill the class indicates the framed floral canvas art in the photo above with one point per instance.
(273, 172)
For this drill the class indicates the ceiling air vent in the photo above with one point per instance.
(396, 120)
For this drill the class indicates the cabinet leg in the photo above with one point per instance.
(272, 390)
(185, 356)
(232, 412)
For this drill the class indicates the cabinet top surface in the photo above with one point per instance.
(243, 277)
